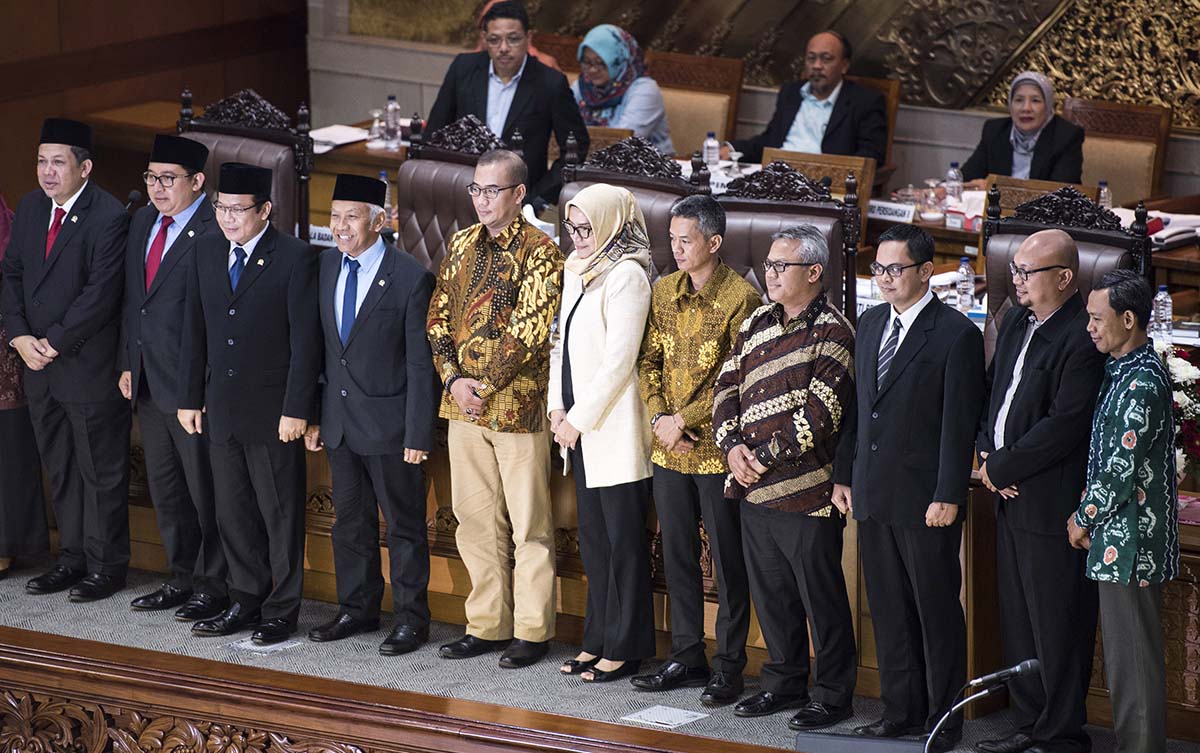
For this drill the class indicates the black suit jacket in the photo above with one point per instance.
(254, 355)
(912, 439)
(1049, 423)
(542, 103)
(381, 391)
(153, 319)
(72, 298)
(857, 125)
(1057, 156)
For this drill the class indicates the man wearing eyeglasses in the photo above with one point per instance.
(489, 324)
(61, 302)
(511, 90)
(1043, 381)
(159, 256)
(904, 469)
(249, 362)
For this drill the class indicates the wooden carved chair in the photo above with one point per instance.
(890, 89)
(1017, 191)
(834, 169)
(1126, 145)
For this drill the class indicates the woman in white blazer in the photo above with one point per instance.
(600, 422)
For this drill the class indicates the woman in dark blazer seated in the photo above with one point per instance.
(1032, 142)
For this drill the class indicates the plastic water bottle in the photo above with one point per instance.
(1161, 321)
(391, 128)
(954, 181)
(712, 149)
(1105, 195)
(966, 285)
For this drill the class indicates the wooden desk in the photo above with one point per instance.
(1179, 266)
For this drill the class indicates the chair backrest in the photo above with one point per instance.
(1103, 245)
(1126, 145)
(1017, 191)
(890, 89)
(836, 167)
(700, 92)
(599, 137)
(244, 127)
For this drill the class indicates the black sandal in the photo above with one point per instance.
(576, 667)
(601, 675)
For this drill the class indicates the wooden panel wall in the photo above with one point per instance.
(71, 57)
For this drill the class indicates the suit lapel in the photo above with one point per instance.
(522, 97)
(70, 227)
(142, 237)
(1002, 149)
(477, 90)
(1041, 152)
(913, 342)
(1007, 358)
(330, 270)
(869, 338)
(184, 244)
(257, 262)
(379, 286)
(841, 109)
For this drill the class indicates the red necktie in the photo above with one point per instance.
(59, 214)
(154, 258)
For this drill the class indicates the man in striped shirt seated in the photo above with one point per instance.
(780, 400)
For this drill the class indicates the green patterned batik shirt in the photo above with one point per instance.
(1129, 505)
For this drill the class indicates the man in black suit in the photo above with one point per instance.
(907, 459)
(159, 256)
(509, 89)
(1044, 379)
(251, 357)
(381, 393)
(826, 114)
(62, 308)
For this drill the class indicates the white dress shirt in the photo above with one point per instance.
(808, 129)
(248, 247)
(906, 320)
(500, 97)
(66, 207)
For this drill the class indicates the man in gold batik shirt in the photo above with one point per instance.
(489, 326)
(695, 314)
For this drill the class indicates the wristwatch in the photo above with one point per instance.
(452, 380)
(655, 417)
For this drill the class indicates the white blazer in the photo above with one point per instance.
(605, 337)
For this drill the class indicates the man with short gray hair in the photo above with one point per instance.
(780, 402)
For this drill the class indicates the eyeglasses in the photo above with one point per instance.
(582, 232)
(779, 267)
(892, 270)
(233, 209)
(1023, 274)
(512, 39)
(166, 180)
(489, 192)
(596, 64)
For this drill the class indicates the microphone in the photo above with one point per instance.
(1027, 667)
(134, 197)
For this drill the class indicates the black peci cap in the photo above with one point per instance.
(240, 178)
(69, 132)
(360, 188)
(177, 150)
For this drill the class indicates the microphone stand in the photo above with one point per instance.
(969, 699)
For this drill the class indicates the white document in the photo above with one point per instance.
(331, 137)
(665, 717)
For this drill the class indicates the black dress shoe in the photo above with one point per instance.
(273, 631)
(342, 626)
(817, 715)
(888, 728)
(1014, 743)
(468, 646)
(404, 639)
(945, 740)
(60, 578)
(522, 653)
(670, 675)
(764, 703)
(722, 688)
(201, 606)
(232, 620)
(166, 597)
(95, 586)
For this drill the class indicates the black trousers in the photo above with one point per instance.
(22, 508)
(794, 562)
(682, 501)
(619, 624)
(181, 488)
(913, 579)
(260, 513)
(362, 486)
(1048, 611)
(85, 448)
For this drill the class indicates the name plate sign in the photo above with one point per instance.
(890, 211)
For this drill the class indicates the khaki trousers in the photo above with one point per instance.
(500, 493)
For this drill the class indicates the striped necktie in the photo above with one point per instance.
(888, 353)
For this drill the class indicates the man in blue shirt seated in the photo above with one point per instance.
(826, 114)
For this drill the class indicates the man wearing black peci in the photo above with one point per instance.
(1033, 440)
(159, 257)
(380, 398)
(62, 309)
(250, 357)
(904, 469)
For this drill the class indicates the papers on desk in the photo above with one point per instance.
(330, 137)
(719, 179)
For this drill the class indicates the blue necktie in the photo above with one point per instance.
(349, 298)
(235, 272)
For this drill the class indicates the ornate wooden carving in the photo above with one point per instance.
(247, 108)
(320, 500)
(40, 724)
(778, 181)
(467, 135)
(1068, 207)
(635, 156)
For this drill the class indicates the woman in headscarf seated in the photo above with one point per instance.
(1032, 142)
(614, 91)
(599, 421)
